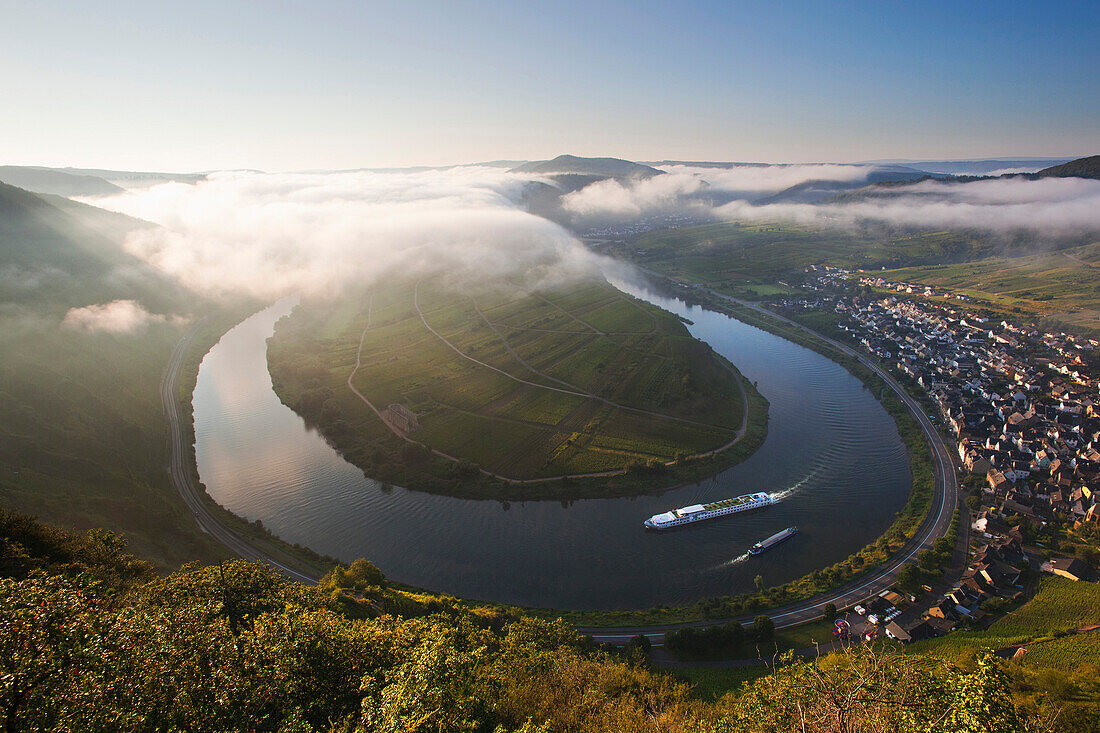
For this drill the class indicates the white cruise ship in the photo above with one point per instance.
(699, 512)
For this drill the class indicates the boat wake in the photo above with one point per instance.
(736, 561)
(792, 490)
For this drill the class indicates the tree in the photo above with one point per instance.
(763, 628)
(362, 574)
(759, 582)
(639, 643)
(434, 689)
(909, 577)
(828, 612)
(981, 700)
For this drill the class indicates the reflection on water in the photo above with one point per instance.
(832, 454)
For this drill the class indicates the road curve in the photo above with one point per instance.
(179, 468)
(935, 525)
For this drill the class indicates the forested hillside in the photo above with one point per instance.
(1081, 168)
(85, 332)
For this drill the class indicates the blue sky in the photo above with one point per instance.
(282, 86)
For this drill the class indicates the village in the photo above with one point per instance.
(1023, 409)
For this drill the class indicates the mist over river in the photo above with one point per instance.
(833, 456)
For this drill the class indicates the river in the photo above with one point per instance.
(833, 456)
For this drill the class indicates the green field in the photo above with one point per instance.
(523, 384)
(1002, 273)
(1062, 285)
(754, 254)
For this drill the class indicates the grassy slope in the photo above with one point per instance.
(1062, 285)
(589, 336)
(748, 252)
(83, 439)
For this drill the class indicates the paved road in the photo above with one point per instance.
(180, 466)
(934, 526)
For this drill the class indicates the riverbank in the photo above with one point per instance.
(250, 540)
(903, 538)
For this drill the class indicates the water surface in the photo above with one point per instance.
(832, 454)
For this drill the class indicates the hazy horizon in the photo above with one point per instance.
(656, 161)
(233, 85)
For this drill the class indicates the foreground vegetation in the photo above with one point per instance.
(92, 640)
(518, 394)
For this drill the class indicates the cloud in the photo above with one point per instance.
(268, 235)
(763, 179)
(118, 317)
(634, 199)
(689, 190)
(1054, 206)
(1010, 171)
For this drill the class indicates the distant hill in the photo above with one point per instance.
(61, 183)
(135, 179)
(82, 432)
(87, 181)
(819, 191)
(706, 164)
(56, 253)
(1081, 168)
(598, 167)
(983, 167)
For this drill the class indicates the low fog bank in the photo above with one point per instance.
(839, 195)
(117, 317)
(1057, 207)
(267, 235)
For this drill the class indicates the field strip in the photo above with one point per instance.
(441, 454)
(578, 319)
(509, 349)
(569, 315)
(590, 395)
(738, 434)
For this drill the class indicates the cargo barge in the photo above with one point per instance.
(699, 512)
(772, 541)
